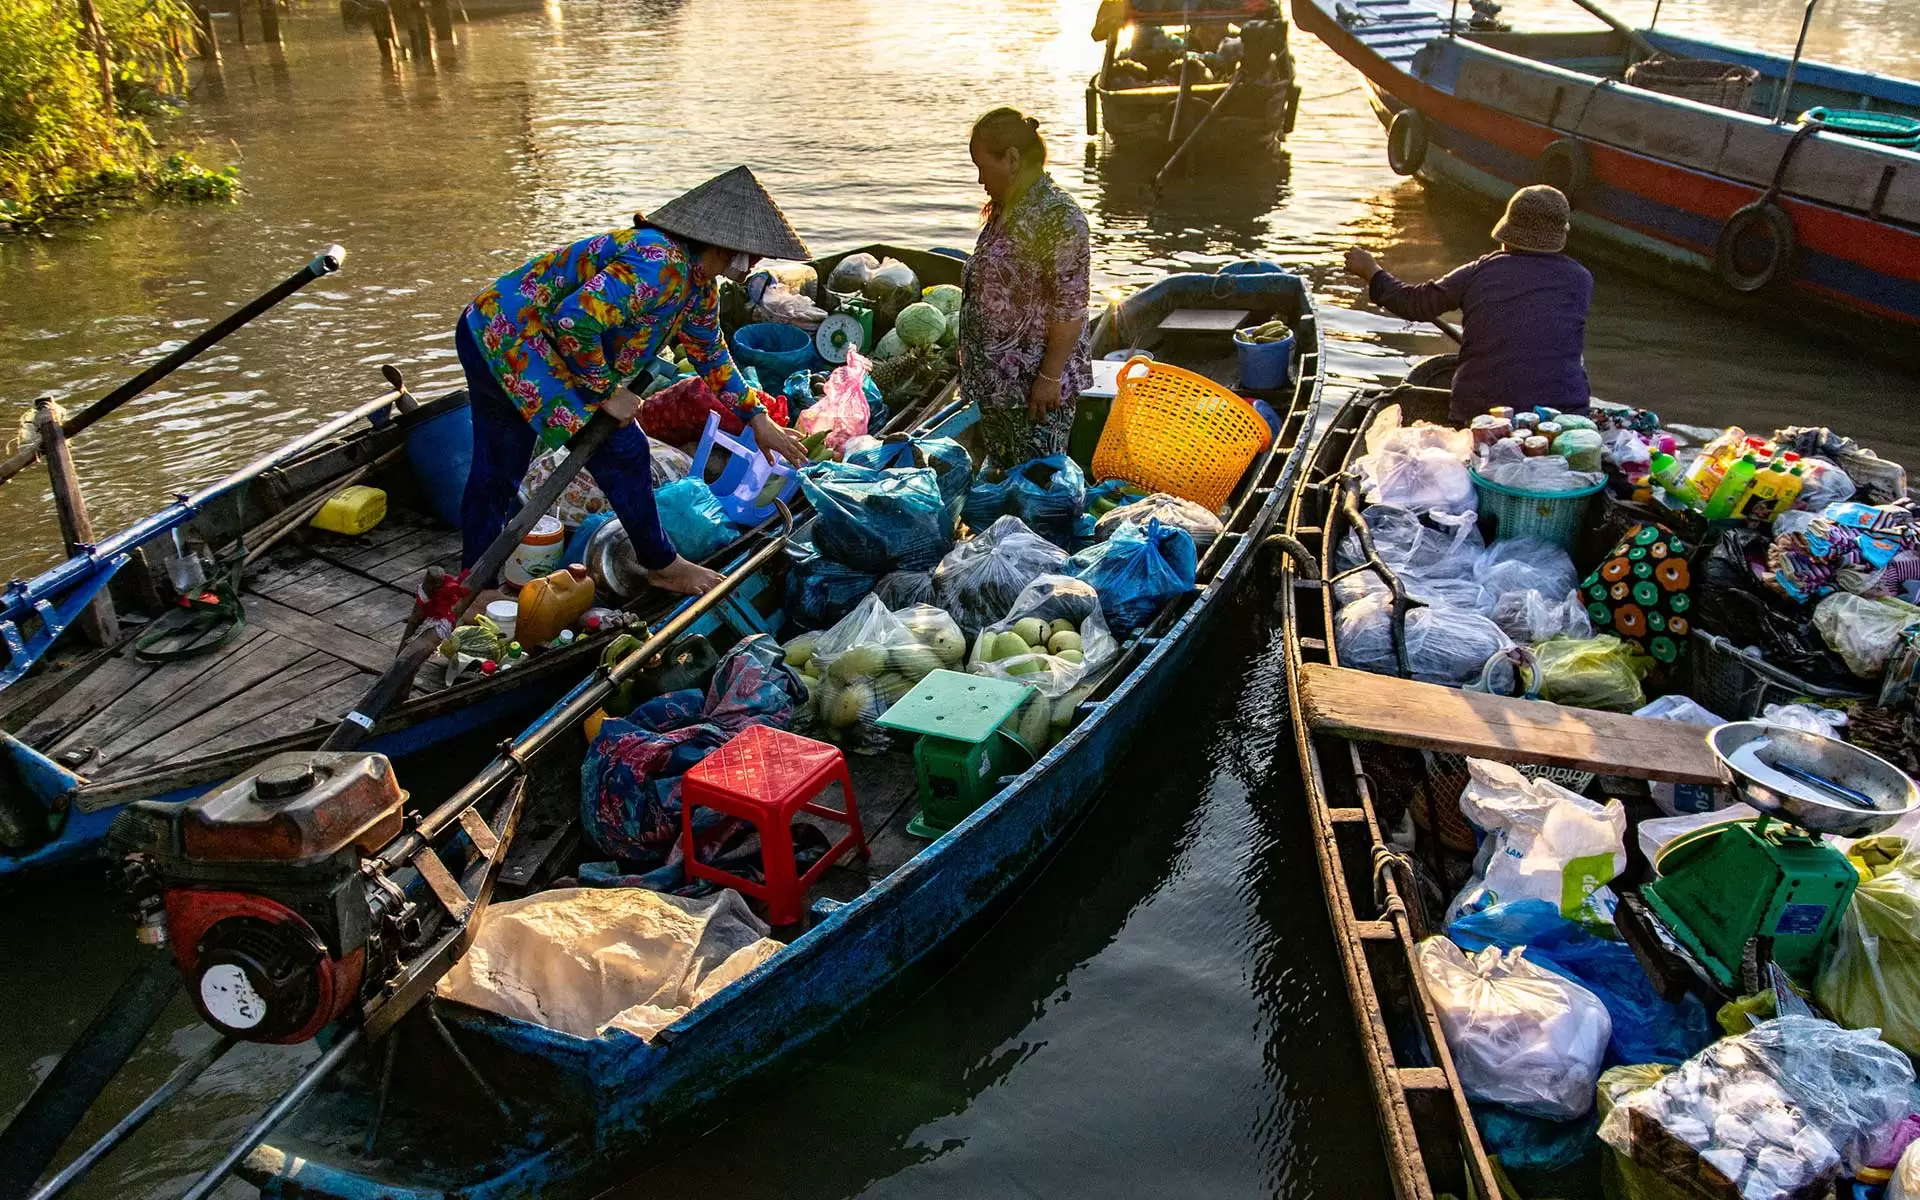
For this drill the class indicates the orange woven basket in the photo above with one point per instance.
(1171, 430)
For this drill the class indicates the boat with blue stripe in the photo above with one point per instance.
(1757, 180)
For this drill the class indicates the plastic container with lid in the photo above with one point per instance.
(541, 552)
(504, 613)
(550, 604)
(352, 511)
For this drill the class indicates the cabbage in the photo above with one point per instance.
(952, 332)
(943, 296)
(852, 273)
(919, 324)
(890, 346)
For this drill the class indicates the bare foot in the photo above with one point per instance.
(687, 578)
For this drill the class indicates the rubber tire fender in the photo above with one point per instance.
(1776, 223)
(1564, 164)
(1406, 142)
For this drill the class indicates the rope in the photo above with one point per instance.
(27, 430)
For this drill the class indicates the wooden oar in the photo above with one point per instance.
(1219, 102)
(1450, 329)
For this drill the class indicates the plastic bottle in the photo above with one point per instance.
(515, 657)
(1774, 491)
(552, 603)
(564, 640)
(605, 620)
(1732, 492)
(1666, 472)
(1711, 467)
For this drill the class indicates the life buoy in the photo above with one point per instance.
(1565, 165)
(1755, 247)
(1406, 142)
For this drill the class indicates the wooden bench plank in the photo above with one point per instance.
(1203, 320)
(287, 703)
(263, 659)
(1426, 716)
(343, 644)
(324, 706)
(153, 691)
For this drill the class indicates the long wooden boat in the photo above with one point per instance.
(1746, 205)
(870, 923)
(87, 732)
(1256, 110)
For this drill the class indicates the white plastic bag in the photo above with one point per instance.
(1653, 836)
(782, 304)
(1863, 631)
(1042, 603)
(1546, 843)
(980, 578)
(1523, 564)
(1444, 645)
(1520, 1035)
(1529, 617)
(1169, 510)
(1432, 553)
(1387, 433)
(1418, 479)
(583, 497)
(843, 411)
(1676, 799)
(1905, 1184)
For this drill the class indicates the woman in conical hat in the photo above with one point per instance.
(560, 337)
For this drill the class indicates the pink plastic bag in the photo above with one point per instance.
(843, 411)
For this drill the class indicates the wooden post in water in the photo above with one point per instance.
(98, 623)
(270, 22)
(442, 15)
(384, 35)
(209, 41)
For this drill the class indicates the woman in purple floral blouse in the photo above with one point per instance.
(1023, 321)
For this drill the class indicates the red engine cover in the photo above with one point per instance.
(193, 914)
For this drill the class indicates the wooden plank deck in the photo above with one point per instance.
(323, 616)
(1426, 716)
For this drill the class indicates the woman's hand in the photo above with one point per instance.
(622, 405)
(1043, 397)
(1362, 264)
(774, 437)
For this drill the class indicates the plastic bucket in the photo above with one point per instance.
(440, 451)
(777, 350)
(1549, 516)
(1263, 365)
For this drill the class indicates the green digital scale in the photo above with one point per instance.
(959, 757)
(1770, 889)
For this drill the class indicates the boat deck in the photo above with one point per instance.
(323, 619)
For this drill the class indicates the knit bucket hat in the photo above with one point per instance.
(733, 211)
(1536, 219)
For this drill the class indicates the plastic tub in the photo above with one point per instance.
(440, 450)
(776, 350)
(1517, 513)
(1263, 365)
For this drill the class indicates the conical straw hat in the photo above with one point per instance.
(732, 211)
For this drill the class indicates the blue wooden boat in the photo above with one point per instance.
(1749, 178)
(578, 1105)
(89, 730)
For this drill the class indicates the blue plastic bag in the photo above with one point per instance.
(690, 516)
(1646, 1029)
(819, 590)
(946, 458)
(1537, 1145)
(1136, 571)
(875, 520)
(1047, 494)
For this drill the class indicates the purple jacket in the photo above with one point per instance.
(1525, 319)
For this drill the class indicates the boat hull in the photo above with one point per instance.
(1854, 272)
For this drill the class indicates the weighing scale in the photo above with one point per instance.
(1739, 895)
(838, 334)
(959, 758)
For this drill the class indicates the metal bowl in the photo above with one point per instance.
(611, 561)
(1891, 793)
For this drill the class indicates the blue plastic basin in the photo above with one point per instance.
(776, 350)
(1263, 365)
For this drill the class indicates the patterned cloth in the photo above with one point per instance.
(1639, 594)
(563, 331)
(1029, 268)
(630, 782)
(1850, 547)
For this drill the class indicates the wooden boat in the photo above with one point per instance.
(871, 921)
(1248, 109)
(1738, 198)
(89, 732)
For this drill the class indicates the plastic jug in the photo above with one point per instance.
(551, 603)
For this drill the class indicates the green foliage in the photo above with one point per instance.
(62, 145)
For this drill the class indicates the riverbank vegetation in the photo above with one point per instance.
(80, 82)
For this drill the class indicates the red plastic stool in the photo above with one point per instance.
(766, 775)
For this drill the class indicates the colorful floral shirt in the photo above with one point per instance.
(1029, 269)
(566, 329)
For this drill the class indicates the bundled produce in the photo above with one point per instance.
(904, 589)
(861, 667)
(948, 459)
(1444, 645)
(1052, 638)
(1546, 843)
(820, 590)
(1172, 511)
(851, 274)
(843, 410)
(1593, 672)
(890, 288)
(1774, 1113)
(1048, 494)
(979, 579)
(1137, 571)
(944, 296)
(877, 520)
(1519, 1035)
(1863, 631)
(1433, 554)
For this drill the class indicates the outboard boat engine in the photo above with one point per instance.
(260, 891)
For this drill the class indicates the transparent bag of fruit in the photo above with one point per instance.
(979, 579)
(870, 658)
(1052, 638)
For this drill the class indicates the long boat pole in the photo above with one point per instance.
(1793, 68)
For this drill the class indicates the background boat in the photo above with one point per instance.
(1249, 109)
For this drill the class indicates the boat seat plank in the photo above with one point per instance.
(318, 689)
(377, 614)
(262, 659)
(1203, 320)
(1426, 716)
(317, 634)
(155, 689)
(106, 683)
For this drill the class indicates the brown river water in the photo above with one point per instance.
(1162, 1013)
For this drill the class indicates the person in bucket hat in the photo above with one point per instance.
(1523, 309)
(562, 336)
